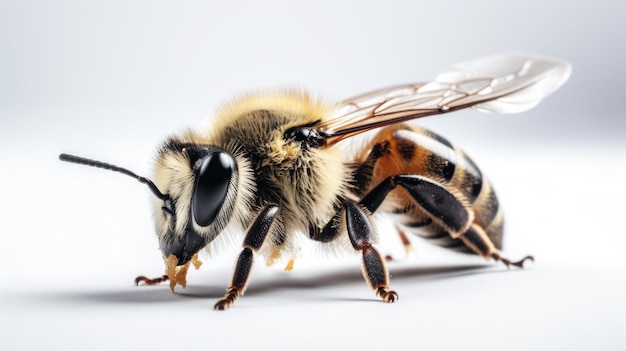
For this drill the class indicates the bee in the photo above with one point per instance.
(271, 168)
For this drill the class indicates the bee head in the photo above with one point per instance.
(194, 188)
(201, 182)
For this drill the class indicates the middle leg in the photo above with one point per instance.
(360, 230)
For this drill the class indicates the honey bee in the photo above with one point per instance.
(272, 168)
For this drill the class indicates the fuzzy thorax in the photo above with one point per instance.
(307, 183)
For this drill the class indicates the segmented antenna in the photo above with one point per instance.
(104, 165)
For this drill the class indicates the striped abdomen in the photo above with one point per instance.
(404, 149)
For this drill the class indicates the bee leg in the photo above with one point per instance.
(289, 266)
(330, 230)
(255, 236)
(274, 255)
(443, 208)
(437, 202)
(360, 232)
(143, 280)
(405, 241)
(432, 197)
(279, 242)
(477, 240)
(508, 263)
(441, 205)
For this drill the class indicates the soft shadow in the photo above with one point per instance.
(130, 295)
(271, 284)
(339, 278)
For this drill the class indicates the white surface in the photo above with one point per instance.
(71, 285)
(110, 80)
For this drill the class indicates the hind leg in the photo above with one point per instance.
(476, 239)
(444, 209)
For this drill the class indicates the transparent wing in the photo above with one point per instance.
(505, 83)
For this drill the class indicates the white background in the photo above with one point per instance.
(109, 80)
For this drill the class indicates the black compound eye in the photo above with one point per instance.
(210, 186)
(306, 135)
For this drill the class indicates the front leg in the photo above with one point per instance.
(266, 221)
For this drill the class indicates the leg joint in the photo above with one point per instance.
(261, 227)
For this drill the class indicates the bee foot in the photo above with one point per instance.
(508, 263)
(223, 304)
(143, 280)
(387, 295)
(227, 301)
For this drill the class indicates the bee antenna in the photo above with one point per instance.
(104, 165)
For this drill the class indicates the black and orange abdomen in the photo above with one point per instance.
(404, 149)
